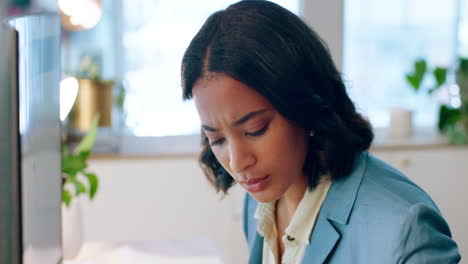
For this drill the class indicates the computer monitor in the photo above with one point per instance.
(30, 161)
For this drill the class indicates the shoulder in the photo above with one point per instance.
(384, 187)
(424, 235)
(386, 195)
(373, 189)
(395, 213)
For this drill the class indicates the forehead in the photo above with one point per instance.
(221, 96)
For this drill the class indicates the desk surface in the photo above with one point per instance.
(148, 252)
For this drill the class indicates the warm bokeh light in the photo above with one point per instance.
(80, 14)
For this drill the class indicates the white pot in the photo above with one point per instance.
(72, 228)
(401, 122)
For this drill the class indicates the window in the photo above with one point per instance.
(155, 36)
(381, 41)
(463, 29)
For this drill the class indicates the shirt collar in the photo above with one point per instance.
(300, 227)
(265, 215)
(304, 218)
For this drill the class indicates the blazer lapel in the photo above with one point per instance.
(336, 208)
(324, 239)
(257, 250)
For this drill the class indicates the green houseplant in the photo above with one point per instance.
(74, 168)
(452, 121)
(420, 69)
(455, 120)
(401, 116)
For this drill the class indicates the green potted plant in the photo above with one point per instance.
(74, 175)
(401, 117)
(74, 165)
(452, 121)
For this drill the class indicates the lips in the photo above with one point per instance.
(256, 185)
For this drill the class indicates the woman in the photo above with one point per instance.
(276, 119)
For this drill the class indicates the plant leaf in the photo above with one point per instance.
(73, 164)
(66, 197)
(413, 82)
(420, 67)
(88, 141)
(120, 100)
(448, 117)
(440, 74)
(93, 184)
(79, 186)
(457, 136)
(463, 65)
(419, 70)
(84, 155)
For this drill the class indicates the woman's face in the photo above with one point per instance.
(262, 150)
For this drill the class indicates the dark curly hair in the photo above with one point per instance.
(273, 51)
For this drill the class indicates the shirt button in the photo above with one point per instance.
(290, 238)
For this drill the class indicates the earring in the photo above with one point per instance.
(311, 133)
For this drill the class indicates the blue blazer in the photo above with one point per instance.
(374, 215)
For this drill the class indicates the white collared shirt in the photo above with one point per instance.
(297, 234)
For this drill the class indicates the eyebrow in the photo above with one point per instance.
(238, 122)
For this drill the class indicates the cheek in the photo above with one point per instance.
(298, 148)
(287, 150)
(222, 156)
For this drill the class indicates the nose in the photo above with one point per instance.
(241, 157)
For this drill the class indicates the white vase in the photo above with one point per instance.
(72, 227)
(401, 122)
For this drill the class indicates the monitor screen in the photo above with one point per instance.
(38, 64)
(10, 217)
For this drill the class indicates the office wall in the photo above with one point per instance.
(327, 18)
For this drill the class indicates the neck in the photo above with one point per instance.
(289, 202)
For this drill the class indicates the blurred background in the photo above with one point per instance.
(403, 62)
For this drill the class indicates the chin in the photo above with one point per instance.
(264, 196)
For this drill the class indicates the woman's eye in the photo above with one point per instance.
(258, 132)
(217, 142)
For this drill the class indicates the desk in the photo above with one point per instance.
(148, 252)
